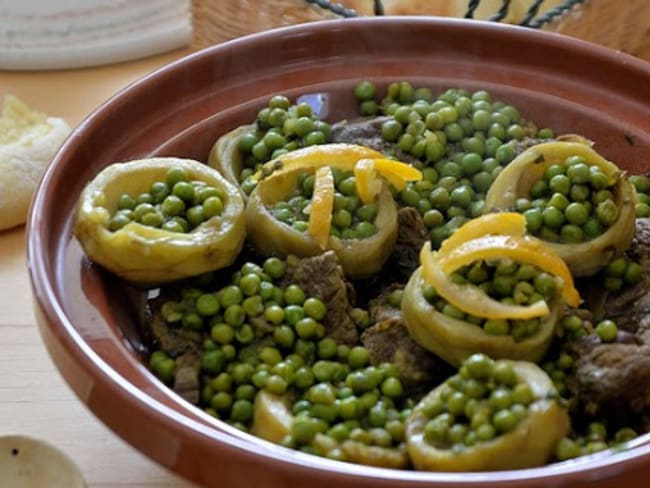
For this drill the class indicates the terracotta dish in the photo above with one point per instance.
(180, 110)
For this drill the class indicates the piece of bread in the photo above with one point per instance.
(28, 141)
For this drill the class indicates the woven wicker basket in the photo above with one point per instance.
(623, 25)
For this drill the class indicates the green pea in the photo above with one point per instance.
(505, 153)
(576, 213)
(293, 313)
(553, 217)
(230, 295)
(153, 219)
(126, 202)
(306, 328)
(234, 315)
(602, 195)
(624, 434)
(451, 169)
(505, 420)
(633, 273)
(482, 181)
(607, 212)
(567, 449)
(578, 172)
(607, 330)
(118, 221)
(212, 206)
(314, 308)
(358, 357)
(207, 304)
(294, 295)
(462, 196)
(478, 365)
(175, 174)
(391, 130)
(141, 210)
(505, 374)
(440, 198)
(222, 333)
(560, 183)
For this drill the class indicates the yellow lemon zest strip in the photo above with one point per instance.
(504, 223)
(471, 299)
(522, 249)
(322, 202)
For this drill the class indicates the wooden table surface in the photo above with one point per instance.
(34, 399)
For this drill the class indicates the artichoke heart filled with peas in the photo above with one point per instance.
(491, 415)
(582, 205)
(489, 288)
(160, 219)
(332, 196)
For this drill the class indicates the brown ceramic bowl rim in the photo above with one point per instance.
(53, 320)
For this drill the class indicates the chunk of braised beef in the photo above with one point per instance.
(411, 236)
(389, 341)
(173, 340)
(367, 132)
(612, 379)
(322, 277)
(186, 377)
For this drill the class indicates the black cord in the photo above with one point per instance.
(532, 12)
(473, 5)
(529, 20)
(335, 8)
(553, 13)
(502, 12)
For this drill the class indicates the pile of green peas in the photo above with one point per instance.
(507, 281)
(573, 202)
(162, 366)
(642, 185)
(351, 219)
(258, 335)
(484, 400)
(176, 204)
(280, 127)
(621, 271)
(595, 439)
(463, 139)
(357, 402)
(560, 369)
(572, 327)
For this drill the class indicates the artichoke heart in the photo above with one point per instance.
(359, 257)
(530, 442)
(516, 180)
(453, 340)
(149, 255)
(225, 157)
(272, 420)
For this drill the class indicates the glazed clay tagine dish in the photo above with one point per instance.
(90, 319)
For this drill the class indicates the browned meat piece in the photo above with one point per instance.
(411, 236)
(378, 307)
(367, 132)
(613, 379)
(389, 341)
(186, 377)
(174, 341)
(322, 277)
